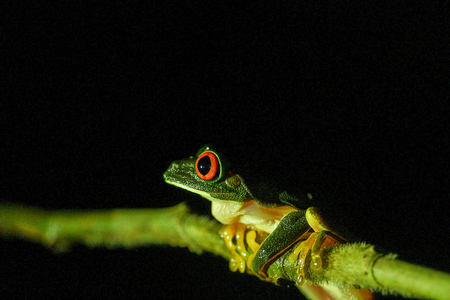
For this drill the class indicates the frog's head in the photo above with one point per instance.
(207, 174)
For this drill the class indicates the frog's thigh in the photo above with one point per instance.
(289, 230)
(316, 220)
(319, 223)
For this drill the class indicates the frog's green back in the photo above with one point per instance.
(268, 195)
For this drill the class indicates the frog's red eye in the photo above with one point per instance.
(207, 166)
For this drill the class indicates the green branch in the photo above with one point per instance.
(345, 265)
(127, 228)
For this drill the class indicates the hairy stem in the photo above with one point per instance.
(355, 264)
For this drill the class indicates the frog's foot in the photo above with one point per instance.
(236, 247)
(254, 246)
(315, 242)
(299, 254)
(236, 240)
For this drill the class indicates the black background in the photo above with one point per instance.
(347, 101)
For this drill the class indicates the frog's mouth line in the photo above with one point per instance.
(201, 193)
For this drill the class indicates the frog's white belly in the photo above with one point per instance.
(249, 213)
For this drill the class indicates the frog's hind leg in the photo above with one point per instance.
(292, 228)
(299, 254)
(317, 240)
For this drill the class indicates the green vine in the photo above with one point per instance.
(356, 264)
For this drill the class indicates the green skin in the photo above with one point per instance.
(239, 188)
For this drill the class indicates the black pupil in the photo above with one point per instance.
(204, 165)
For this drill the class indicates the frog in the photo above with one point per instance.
(250, 208)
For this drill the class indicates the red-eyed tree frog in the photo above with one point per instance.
(250, 208)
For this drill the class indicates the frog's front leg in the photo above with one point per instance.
(295, 226)
(323, 236)
(234, 235)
